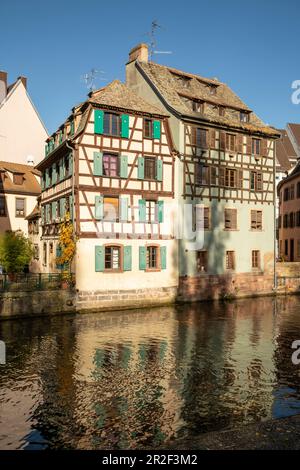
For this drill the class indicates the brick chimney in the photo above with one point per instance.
(139, 52)
(24, 81)
(3, 85)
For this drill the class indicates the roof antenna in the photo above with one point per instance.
(153, 42)
(90, 78)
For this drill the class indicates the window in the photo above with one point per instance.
(148, 128)
(230, 142)
(292, 220)
(2, 207)
(230, 260)
(50, 175)
(279, 221)
(230, 219)
(18, 178)
(202, 174)
(286, 247)
(152, 257)
(221, 111)
(36, 251)
(256, 181)
(256, 220)
(110, 208)
(111, 124)
(285, 221)
(150, 168)
(151, 212)
(197, 106)
(112, 257)
(298, 190)
(213, 176)
(45, 254)
(244, 117)
(255, 259)
(20, 207)
(286, 194)
(230, 178)
(202, 261)
(199, 137)
(201, 219)
(67, 166)
(255, 146)
(57, 170)
(298, 248)
(297, 219)
(292, 192)
(110, 165)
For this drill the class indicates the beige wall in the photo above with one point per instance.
(22, 133)
(11, 222)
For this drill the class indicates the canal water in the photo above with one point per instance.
(137, 379)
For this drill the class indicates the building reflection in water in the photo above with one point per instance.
(136, 379)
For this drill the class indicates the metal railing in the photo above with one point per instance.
(32, 281)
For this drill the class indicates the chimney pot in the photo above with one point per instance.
(139, 52)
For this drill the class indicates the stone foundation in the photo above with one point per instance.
(227, 286)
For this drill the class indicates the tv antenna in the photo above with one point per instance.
(153, 41)
(90, 78)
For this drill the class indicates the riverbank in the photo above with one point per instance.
(277, 434)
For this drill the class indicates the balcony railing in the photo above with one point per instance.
(32, 281)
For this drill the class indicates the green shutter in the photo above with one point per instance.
(43, 215)
(123, 166)
(99, 258)
(160, 211)
(141, 168)
(70, 164)
(142, 210)
(163, 257)
(61, 169)
(159, 169)
(99, 207)
(53, 210)
(46, 150)
(47, 178)
(62, 207)
(54, 175)
(43, 181)
(47, 213)
(142, 258)
(123, 209)
(125, 126)
(127, 258)
(60, 137)
(71, 206)
(156, 129)
(98, 121)
(72, 127)
(98, 165)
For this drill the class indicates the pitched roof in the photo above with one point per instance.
(34, 214)
(285, 153)
(176, 86)
(118, 95)
(30, 183)
(295, 129)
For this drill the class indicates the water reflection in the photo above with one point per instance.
(136, 379)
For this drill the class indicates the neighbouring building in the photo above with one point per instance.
(22, 132)
(19, 189)
(289, 216)
(34, 235)
(111, 167)
(226, 164)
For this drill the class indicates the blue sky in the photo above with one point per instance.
(253, 46)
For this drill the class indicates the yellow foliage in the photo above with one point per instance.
(67, 241)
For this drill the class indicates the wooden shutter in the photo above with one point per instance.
(54, 175)
(240, 178)
(61, 169)
(163, 257)
(159, 169)
(212, 138)
(98, 164)
(54, 205)
(160, 211)
(123, 166)
(62, 208)
(141, 168)
(43, 181)
(142, 210)
(142, 258)
(239, 143)
(222, 176)
(127, 263)
(99, 207)
(47, 178)
(156, 130)
(249, 145)
(99, 258)
(125, 126)
(70, 164)
(98, 121)
(123, 209)
(222, 140)
(264, 147)
(213, 176)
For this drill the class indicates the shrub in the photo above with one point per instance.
(16, 251)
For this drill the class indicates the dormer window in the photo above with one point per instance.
(183, 80)
(244, 117)
(212, 90)
(18, 178)
(198, 106)
(221, 111)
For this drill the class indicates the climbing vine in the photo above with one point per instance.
(67, 242)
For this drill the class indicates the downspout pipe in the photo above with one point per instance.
(275, 219)
(68, 145)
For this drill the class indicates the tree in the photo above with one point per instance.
(67, 242)
(16, 251)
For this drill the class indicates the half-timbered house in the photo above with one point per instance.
(111, 167)
(225, 171)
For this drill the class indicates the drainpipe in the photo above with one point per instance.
(73, 178)
(275, 202)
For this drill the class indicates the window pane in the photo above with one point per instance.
(111, 208)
